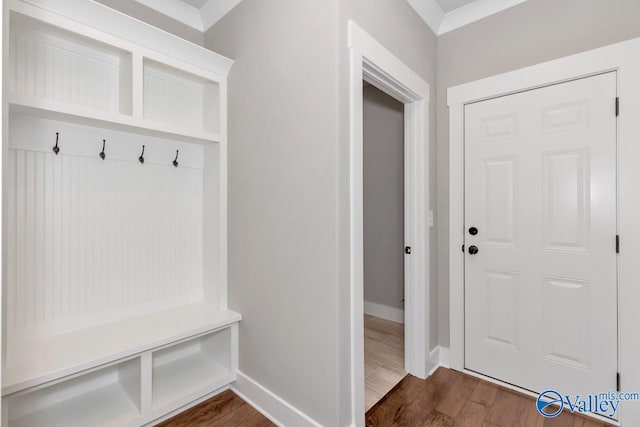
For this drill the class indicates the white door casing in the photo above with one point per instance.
(372, 62)
(620, 57)
(540, 187)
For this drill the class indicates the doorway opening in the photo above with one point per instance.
(384, 244)
(373, 63)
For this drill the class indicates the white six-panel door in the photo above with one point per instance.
(540, 187)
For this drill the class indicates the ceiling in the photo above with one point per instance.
(195, 3)
(197, 14)
(449, 5)
(441, 16)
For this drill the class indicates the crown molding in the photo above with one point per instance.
(474, 11)
(441, 22)
(214, 10)
(178, 10)
(199, 19)
(430, 12)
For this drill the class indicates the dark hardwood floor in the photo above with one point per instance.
(452, 399)
(225, 409)
(446, 399)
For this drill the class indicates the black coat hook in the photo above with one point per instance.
(175, 161)
(56, 149)
(141, 158)
(102, 154)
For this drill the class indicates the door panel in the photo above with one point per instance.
(565, 200)
(500, 205)
(566, 302)
(501, 289)
(540, 186)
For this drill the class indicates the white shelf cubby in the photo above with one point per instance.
(102, 398)
(193, 367)
(181, 98)
(51, 63)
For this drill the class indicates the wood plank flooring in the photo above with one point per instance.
(452, 399)
(225, 409)
(383, 357)
(446, 399)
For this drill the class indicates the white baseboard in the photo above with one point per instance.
(384, 312)
(269, 404)
(281, 412)
(439, 357)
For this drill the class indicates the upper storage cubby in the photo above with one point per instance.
(49, 63)
(180, 98)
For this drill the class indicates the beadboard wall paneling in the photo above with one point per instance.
(192, 98)
(91, 240)
(60, 67)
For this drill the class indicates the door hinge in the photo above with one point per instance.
(407, 250)
(617, 381)
(617, 243)
(462, 248)
(617, 106)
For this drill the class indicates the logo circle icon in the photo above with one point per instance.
(550, 399)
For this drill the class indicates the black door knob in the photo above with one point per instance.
(473, 231)
(473, 250)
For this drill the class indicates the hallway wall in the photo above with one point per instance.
(289, 182)
(383, 140)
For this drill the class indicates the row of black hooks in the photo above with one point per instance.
(103, 155)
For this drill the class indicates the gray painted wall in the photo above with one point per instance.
(530, 33)
(283, 205)
(288, 162)
(156, 19)
(383, 126)
(288, 185)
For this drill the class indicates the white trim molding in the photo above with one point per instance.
(4, 131)
(372, 62)
(622, 58)
(199, 19)
(441, 22)
(177, 10)
(439, 357)
(269, 404)
(215, 10)
(384, 312)
(474, 11)
(430, 12)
